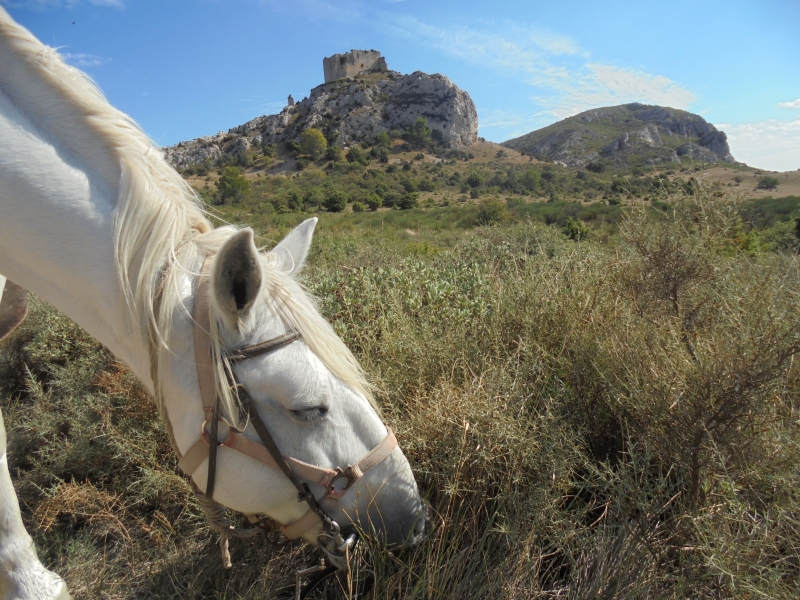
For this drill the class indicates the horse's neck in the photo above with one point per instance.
(56, 231)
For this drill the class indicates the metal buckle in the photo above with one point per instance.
(336, 547)
(347, 474)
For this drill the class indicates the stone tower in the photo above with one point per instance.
(352, 63)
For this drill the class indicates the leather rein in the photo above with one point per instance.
(335, 481)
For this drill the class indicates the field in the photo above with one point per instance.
(605, 414)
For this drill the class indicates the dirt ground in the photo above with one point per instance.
(789, 181)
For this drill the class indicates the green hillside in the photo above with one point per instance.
(626, 135)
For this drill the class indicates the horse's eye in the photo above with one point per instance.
(311, 414)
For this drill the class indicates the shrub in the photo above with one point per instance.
(409, 185)
(358, 207)
(293, 147)
(576, 230)
(336, 201)
(492, 210)
(381, 153)
(232, 187)
(408, 200)
(382, 139)
(357, 155)
(531, 179)
(427, 185)
(767, 182)
(374, 201)
(475, 180)
(313, 142)
(333, 153)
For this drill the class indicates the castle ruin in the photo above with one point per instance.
(352, 63)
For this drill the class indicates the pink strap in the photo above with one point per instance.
(202, 340)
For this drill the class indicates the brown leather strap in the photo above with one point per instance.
(257, 349)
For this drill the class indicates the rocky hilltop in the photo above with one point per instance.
(629, 134)
(349, 110)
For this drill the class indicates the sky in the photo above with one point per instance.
(188, 68)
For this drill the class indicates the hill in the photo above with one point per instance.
(348, 111)
(627, 135)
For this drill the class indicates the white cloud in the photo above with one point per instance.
(568, 83)
(773, 144)
(500, 125)
(84, 61)
(596, 85)
(793, 104)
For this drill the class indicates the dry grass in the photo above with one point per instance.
(604, 419)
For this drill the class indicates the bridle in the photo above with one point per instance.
(335, 481)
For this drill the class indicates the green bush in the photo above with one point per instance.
(374, 201)
(232, 186)
(358, 207)
(336, 201)
(293, 147)
(491, 211)
(408, 200)
(313, 143)
(475, 180)
(333, 153)
(357, 155)
(768, 182)
(576, 230)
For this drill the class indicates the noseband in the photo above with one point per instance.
(335, 481)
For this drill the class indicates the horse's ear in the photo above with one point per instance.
(237, 275)
(293, 249)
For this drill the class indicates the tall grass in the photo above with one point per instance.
(595, 419)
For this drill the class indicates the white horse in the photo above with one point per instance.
(95, 222)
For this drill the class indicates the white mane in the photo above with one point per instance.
(160, 221)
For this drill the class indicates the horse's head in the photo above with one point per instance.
(311, 396)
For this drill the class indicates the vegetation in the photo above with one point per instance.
(313, 143)
(232, 186)
(615, 418)
(767, 182)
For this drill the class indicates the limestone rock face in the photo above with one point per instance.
(632, 134)
(350, 111)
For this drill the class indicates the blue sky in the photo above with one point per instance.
(187, 68)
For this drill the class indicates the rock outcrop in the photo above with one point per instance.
(349, 111)
(630, 134)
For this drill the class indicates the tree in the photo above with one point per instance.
(374, 201)
(333, 153)
(475, 180)
(313, 143)
(335, 201)
(293, 147)
(232, 186)
(419, 133)
(531, 179)
(357, 155)
(408, 200)
(382, 140)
